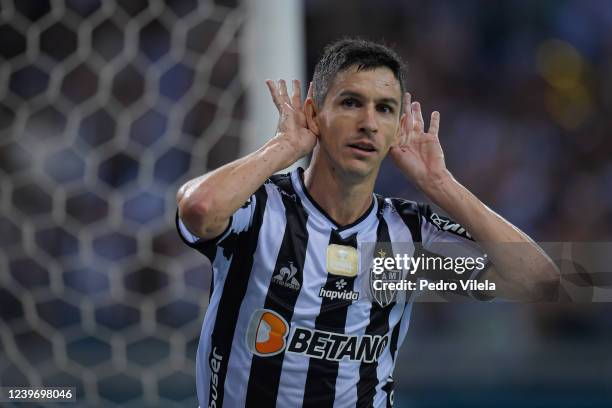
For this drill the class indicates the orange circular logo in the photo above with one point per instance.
(267, 333)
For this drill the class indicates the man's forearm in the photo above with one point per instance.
(483, 223)
(525, 270)
(207, 202)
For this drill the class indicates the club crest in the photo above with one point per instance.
(381, 294)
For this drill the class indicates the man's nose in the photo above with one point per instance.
(368, 123)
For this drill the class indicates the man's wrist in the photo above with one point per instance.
(280, 153)
(440, 187)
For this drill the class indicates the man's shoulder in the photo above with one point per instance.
(408, 211)
(401, 206)
(279, 179)
(280, 184)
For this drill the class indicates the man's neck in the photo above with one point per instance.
(343, 198)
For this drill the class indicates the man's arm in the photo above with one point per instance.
(206, 203)
(521, 271)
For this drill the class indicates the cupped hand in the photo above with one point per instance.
(292, 125)
(418, 154)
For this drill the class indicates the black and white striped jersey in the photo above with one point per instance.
(288, 324)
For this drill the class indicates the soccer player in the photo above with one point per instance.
(289, 322)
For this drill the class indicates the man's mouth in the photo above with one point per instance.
(365, 147)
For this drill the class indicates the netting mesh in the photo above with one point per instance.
(105, 108)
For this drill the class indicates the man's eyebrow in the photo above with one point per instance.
(389, 101)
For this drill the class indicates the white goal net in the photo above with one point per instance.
(106, 106)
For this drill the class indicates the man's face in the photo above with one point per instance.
(359, 119)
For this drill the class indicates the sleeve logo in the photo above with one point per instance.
(446, 224)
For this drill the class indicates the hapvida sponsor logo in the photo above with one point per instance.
(339, 292)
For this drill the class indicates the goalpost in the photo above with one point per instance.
(106, 108)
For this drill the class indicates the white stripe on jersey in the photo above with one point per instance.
(239, 365)
(295, 366)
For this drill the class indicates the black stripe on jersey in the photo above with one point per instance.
(320, 389)
(410, 213)
(394, 339)
(264, 378)
(233, 292)
(379, 325)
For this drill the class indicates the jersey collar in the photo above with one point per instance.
(314, 209)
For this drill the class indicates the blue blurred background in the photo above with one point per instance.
(107, 107)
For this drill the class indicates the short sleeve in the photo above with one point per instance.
(443, 236)
(240, 221)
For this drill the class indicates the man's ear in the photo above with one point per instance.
(312, 118)
(399, 135)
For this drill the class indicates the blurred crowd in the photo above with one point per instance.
(525, 93)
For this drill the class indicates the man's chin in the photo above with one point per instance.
(359, 169)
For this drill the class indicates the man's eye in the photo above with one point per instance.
(350, 102)
(385, 109)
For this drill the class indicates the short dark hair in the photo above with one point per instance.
(343, 54)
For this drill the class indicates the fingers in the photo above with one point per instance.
(280, 95)
(407, 99)
(434, 125)
(309, 95)
(407, 112)
(274, 94)
(296, 99)
(414, 123)
(418, 124)
(282, 91)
